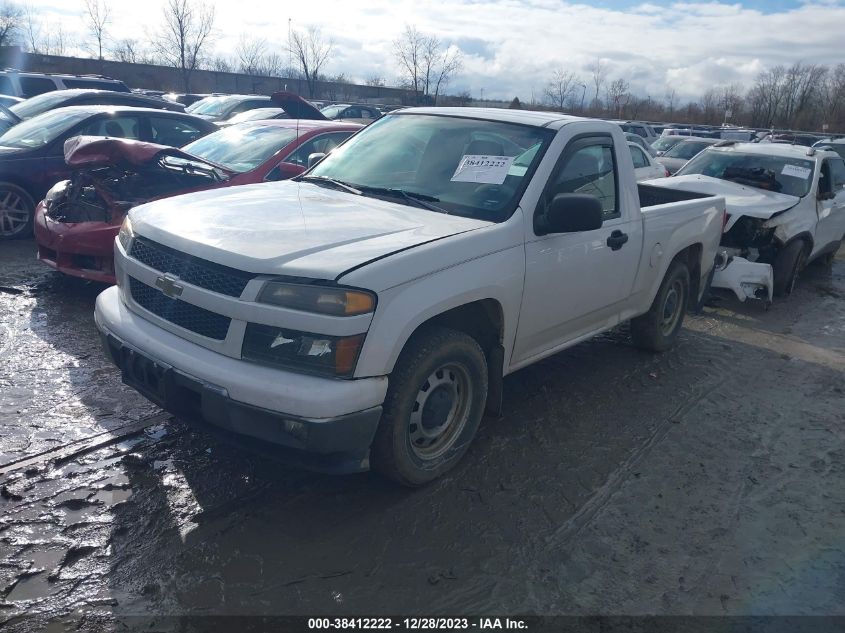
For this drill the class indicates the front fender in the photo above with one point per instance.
(402, 309)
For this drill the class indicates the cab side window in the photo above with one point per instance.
(639, 157)
(837, 172)
(322, 144)
(6, 87)
(32, 86)
(114, 127)
(589, 168)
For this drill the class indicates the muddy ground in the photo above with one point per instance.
(707, 480)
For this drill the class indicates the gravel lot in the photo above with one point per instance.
(707, 480)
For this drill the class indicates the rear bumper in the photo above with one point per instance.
(747, 280)
(316, 423)
(82, 249)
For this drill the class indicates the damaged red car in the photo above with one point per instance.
(78, 220)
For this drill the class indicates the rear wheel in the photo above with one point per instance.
(16, 212)
(658, 328)
(435, 401)
(788, 264)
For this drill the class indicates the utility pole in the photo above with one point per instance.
(583, 94)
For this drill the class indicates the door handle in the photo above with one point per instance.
(617, 240)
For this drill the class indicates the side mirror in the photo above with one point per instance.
(315, 158)
(570, 213)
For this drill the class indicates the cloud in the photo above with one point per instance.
(511, 47)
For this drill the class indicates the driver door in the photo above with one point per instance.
(577, 283)
(831, 203)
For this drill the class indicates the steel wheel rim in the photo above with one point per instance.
(440, 411)
(672, 307)
(14, 213)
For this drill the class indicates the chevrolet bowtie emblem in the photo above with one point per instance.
(168, 286)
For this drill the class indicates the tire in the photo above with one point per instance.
(658, 328)
(17, 212)
(424, 432)
(788, 264)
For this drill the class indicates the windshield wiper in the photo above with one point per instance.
(420, 199)
(339, 184)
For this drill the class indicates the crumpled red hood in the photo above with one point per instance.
(96, 151)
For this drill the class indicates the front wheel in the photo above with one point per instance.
(658, 328)
(17, 211)
(435, 401)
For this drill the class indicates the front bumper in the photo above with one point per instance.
(316, 423)
(81, 249)
(747, 280)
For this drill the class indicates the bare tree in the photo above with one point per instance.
(425, 66)
(618, 96)
(273, 65)
(561, 88)
(126, 50)
(32, 30)
(409, 50)
(671, 101)
(99, 17)
(11, 22)
(598, 72)
(221, 65)
(250, 54)
(376, 81)
(449, 65)
(312, 52)
(184, 36)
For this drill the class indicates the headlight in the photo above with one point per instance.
(321, 299)
(56, 191)
(321, 354)
(125, 235)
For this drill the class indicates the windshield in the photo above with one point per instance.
(686, 150)
(36, 105)
(665, 142)
(467, 167)
(792, 176)
(331, 112)
(241, 147)
(257, 115)
(213, 106)
(42, 129)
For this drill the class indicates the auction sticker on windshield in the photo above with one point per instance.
(796, 172)
(490, 170)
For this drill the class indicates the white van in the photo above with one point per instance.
(26, 85)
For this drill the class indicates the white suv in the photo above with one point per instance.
(25, 85)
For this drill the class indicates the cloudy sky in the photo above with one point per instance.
(511, 47)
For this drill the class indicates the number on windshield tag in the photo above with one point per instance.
(490, 170)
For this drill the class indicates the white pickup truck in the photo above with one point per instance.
(364, 314)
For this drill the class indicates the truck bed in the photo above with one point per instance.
(651, 196)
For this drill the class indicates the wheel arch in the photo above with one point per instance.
(482, 319)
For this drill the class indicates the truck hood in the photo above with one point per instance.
(291, 228)
(739, 199)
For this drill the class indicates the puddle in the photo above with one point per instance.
(112, 497)
(31, 588)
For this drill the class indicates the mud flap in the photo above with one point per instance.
(747, 280)
(495, 365)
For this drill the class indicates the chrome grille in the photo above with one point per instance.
(185, 315)
(192, 270)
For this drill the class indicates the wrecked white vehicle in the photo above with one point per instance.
(785, 205)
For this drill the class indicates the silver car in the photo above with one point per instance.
(678, 155)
